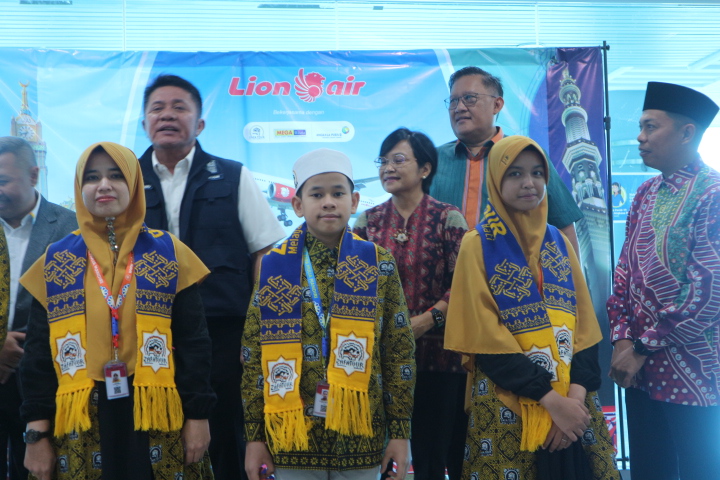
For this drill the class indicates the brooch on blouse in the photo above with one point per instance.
(401, 236)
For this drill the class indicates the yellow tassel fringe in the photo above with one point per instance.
(286, 431)
(72, 411)
(348, 411)
(158, 408)
(536, 425)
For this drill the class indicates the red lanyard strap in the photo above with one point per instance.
(105, 290)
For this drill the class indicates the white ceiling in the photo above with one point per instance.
(677, 42)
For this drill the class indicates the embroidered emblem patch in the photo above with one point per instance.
(544, 358)
(282, 376)
(155, 351)
(351, 354)
(563, 338)
(71, 354)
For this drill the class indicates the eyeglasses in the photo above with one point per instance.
(397, 160)
(469, 99)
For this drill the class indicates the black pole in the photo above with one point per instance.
(620, 407)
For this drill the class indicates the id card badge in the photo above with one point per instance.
(116, 382)
(321, 399)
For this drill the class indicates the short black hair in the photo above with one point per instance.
(173, 81)
(422, 147)
(23, 151)
(489, 80)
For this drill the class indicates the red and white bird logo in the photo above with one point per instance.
(308, 87)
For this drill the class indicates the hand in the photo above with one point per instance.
(556, 439)
(257, 455)
(195, 437)
(40, 456)
(570, 414)
(577, 392)
(421, 324)
(10, 355)
(625, 363)
(398, 450)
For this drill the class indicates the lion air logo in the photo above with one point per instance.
(351, 354)
(155, 352)
(309, 87)
(281, 378)
(71, 354)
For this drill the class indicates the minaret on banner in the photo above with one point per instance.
(583, 160)
(26, 127)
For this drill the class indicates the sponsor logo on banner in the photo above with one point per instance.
(155, 352)
(351, 353)
(71, 354)
(281, 376)
(308, 86)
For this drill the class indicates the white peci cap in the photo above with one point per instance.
(322, 160)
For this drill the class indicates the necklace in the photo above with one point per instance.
(400, 236)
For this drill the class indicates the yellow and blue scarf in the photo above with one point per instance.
(352, 338)
(542, 325)
(157, 402)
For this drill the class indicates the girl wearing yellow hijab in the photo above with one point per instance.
(521, 311)
(117, 357)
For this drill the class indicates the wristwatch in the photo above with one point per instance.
(438, 317)
(641, 349)
(33, 436)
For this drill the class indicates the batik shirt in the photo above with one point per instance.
(392, 382)
(426, 262)
(667, 285)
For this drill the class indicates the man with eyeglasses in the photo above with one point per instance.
(476, 97)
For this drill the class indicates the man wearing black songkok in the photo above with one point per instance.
(665, 307)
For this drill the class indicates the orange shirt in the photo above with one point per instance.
(474, 178)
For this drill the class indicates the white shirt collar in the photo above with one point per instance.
(189, 157)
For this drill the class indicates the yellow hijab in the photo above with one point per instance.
(95, 234)
(473, 321)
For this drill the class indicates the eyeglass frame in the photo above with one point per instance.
(449, 101)
(379, 161)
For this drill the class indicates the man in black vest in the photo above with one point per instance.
(215, 207)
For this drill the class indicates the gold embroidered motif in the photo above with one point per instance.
(156, 233)
(556, 262)
(64, 268)
(156, 269)
(511, 280)
(279, 295)
(494, 225)
(356, 274)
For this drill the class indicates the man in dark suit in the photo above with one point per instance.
(30, 224)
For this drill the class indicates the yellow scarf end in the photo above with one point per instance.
(286, 431)
(158, 408)
(72, 411)
(348, 411)
(535, 427)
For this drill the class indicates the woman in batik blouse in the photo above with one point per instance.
(424, 236)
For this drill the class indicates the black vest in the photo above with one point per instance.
(209, 225)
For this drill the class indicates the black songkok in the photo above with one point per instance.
(683, 100)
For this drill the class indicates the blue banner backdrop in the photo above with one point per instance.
(268, 108)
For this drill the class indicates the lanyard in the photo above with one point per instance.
(317, 302)
(112, 303)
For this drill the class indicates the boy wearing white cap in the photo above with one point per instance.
(328, 349)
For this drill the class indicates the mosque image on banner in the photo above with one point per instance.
(27, 128)
(582, 159)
